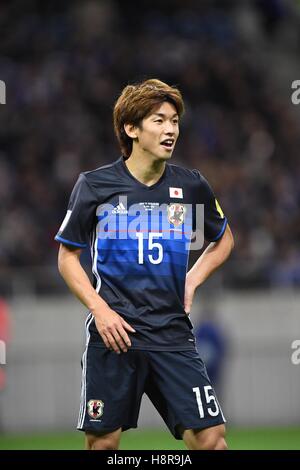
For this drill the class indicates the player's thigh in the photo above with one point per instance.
(112, 387)
(212, 438)
(182, 393)
(103, 440)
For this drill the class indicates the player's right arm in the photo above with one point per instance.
(111, 326)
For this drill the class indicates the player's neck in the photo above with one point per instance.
(146, 170)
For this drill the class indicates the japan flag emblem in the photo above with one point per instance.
(176, 192)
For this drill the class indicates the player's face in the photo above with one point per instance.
(159, 131)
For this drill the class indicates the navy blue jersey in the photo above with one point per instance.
(139, 238)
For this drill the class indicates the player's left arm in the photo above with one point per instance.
(214, 256)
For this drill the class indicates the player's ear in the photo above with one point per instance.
(131, 130)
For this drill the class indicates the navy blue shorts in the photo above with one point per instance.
(176, 383)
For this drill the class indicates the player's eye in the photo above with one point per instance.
(158, 120)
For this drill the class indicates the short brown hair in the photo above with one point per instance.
(138, 101)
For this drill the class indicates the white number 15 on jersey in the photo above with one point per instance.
(151, 245)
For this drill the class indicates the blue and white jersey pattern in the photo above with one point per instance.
(139, 238)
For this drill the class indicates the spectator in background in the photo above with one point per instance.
(62, 63)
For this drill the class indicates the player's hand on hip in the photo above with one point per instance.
(112, 329)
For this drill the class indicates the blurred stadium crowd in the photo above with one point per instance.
(64, 64)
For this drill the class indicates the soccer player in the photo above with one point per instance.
(138, 215)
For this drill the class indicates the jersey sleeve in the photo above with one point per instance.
(214, 219)
(78, 222)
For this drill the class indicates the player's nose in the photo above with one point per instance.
(169, 128)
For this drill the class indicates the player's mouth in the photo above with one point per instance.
(168, 144)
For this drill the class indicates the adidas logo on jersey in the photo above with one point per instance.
(120, 209)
